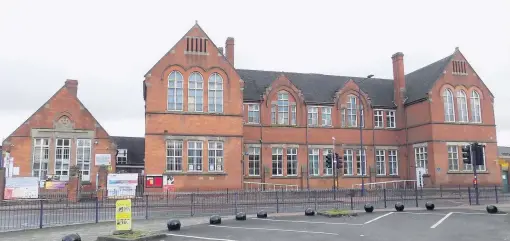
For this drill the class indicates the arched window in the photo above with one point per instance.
(282, 109)
(215, 93)
(175, 91)
(476, 112)
(195, 92)
(352, 117)
(449, 109)
(462, 105)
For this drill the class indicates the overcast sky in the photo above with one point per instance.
(109, 45)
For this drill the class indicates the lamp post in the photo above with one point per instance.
(333, 166)
(362, 157)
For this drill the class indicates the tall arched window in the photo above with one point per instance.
(352, 117)
(215, 93)
(476, 112)
(195, 92)
(175, 91)
(282, 109)
(449, 108)
(462, 106)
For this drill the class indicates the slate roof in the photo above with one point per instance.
(504, 151)
(135, 147)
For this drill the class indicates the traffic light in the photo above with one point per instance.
(466, 154)
(338, 159)
(478, 154)
(329, 160)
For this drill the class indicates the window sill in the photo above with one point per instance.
(252, 124)
(322, 177)
(284, 177)
(467, 172)
(196, 173)
(387, 176)
(252, 177)
(354, 176)
(277, 125)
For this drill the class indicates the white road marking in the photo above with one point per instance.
(441, 220)
(501, 214)
(313, 222)
(274, 229)
(382, 216)
(197, 237)
(421, 213)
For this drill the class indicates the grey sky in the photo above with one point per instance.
(109, 45)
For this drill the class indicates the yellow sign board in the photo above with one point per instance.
(123, 218)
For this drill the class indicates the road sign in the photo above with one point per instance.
(123, 218)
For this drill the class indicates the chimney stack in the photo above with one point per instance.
(72, 86)
(399, 78)
(229, 49)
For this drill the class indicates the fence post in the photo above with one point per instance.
(167, 197)
(469, 195)
(41, 214)
(191, 204)
(352, 194)
(236, 196)
(315, 202)
(97, 210)
(384, 194)
(416, 194)
(440, 190)
(146, 206)
(277, 202)
(227, 195)
(496, 192)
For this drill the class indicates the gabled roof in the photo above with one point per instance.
(135, 148)
(317, 88)
(421, 81)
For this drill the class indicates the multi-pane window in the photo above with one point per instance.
(83, 157)
(325, 153)
(380, 162)
(254, 161)
(393, 161)
(62, 157)
(215, 96)
(390, 119)
(462, 106)
(449, 109)
(195, 156)
(41, 158)
(476, 115)
(313, 116)
(420, 155)
(122, 157)
(281, 110)
(292, 162)
(215, 151)
(326, 116)
(173, 156)
(195, 92)
(378, 119)
(453, 158)
(348, 167)
(361, 162)
(175, 91)
(313, 161)
(254, 113)
(293, 115)
(351, 112)
(273, 114)
(277, 161)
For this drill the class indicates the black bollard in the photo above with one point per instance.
(173, 225)
(71, 237)
(369, 208)
(309, 212)
(429, 206)
(492, 209)
(240, 216)
(215, 219)
(262, 214)
(399, 207)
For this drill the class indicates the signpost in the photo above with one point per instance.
(123, 218)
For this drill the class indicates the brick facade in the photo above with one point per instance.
(292, 152)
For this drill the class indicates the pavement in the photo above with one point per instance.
(452, 223)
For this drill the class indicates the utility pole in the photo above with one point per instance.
(335, 184)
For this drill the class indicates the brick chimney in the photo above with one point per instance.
(399, 78)
(72, 86)
(229, 50)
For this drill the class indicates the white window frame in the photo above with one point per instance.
(313, 161)
(379, 118)
(326, 112)
(380, 161)
(195, 92)
(215, 93)
(253, 161)
(393, 162)
(283, 107)
(174, 149)
(327, 171)
(175, 90)
(449, 106)
(453, 157)
(277, 161)
(215, 151)
(352, 115)
(65, 158)
(40, 155)
(476, 107)
(84, 157)
(348, 162)
(391, 119)
(195, 156)
(122, 157)
(292, 161)
(462, 106)
(421, 157)
(360, 172)
(313, 116)
(253, 113)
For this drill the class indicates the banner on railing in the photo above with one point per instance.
(168, 183)
(122, 185)
(21, 188)
(54, 185)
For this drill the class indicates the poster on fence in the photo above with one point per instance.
(21, 188)
(168, 184)
(122, 185)
(55, 185)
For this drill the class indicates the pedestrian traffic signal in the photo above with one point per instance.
(466, 154)
(338, 159)
(329, 160)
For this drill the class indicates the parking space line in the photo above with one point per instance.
(275, 229)
(441, 220)
(500, 214)
(382, 216)
(440, 214)
(197, 237)
(312, 222)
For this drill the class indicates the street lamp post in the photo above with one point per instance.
(361, 120)
(333, 166)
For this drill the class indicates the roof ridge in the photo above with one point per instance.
(288, 72)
